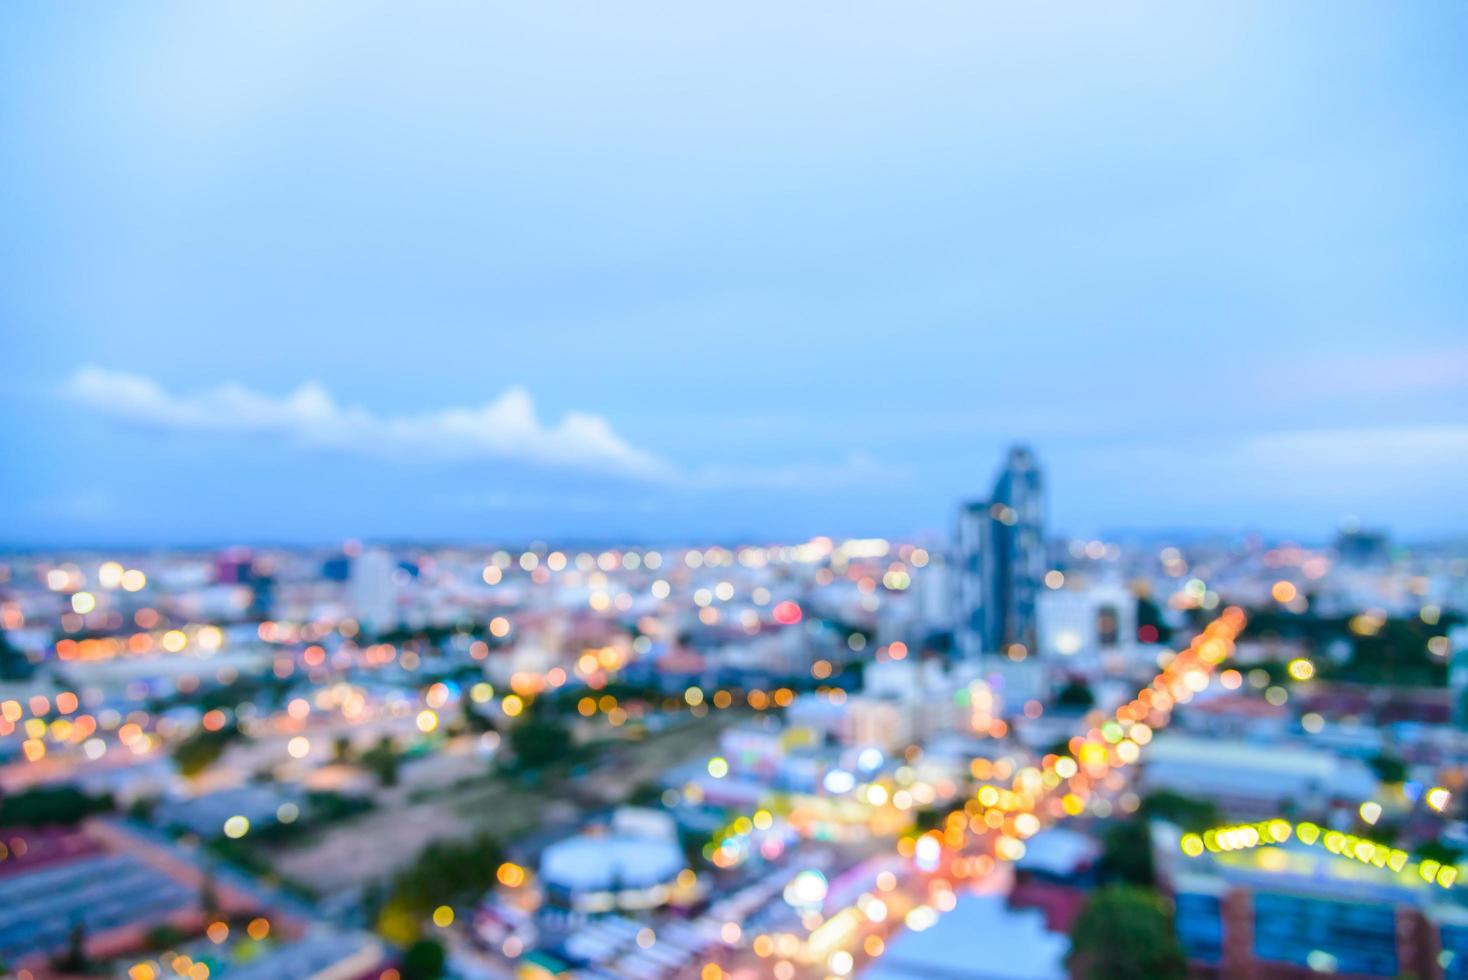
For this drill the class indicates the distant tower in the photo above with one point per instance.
(999, 559)
(372, 591)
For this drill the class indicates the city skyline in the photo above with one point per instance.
(463, 290)
(648, 491)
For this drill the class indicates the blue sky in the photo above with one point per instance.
(282, 271)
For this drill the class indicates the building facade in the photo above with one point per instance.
(999, 562)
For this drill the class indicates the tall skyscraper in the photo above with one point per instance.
(999, 561)
(372, 591)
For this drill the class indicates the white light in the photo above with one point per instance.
(926, 853)
(806, 890)
(839, 781)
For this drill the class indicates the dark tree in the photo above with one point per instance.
(1181, 811)
(1389, 769)
(1124, 933)
(1076, 695)
(1126, 854)
(74, 960)
(453, 872)
(538, 742)
(382, 759)
(424, 960)
(14, 665)
(51, 805)
(208, 894)
(200, 750)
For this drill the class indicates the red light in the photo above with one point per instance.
(1147, 634)
(787, 612)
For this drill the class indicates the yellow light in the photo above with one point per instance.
(1301, 669)
(694, 696)
(299, 747)
(443, 916)
(236, 827)
(1438, 798)
(481, 693)
(512, 705)
(1191, 844)
(1284, 591)
(427, 720)
(134, 580)
(718, 767)
(83, 602)
(1370, 811)
(510, 875)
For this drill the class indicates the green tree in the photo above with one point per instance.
(1388, 768)
(540, 741)
(382, 759)
(1125, 933)
(448, 873)
(424, 960)
(164, 936)
(202, 749)
(1436, 850)
(1181, 811)
(1077, 695)
(51, 805)
(1126, 854)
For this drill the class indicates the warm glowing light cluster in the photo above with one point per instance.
(1280, 831)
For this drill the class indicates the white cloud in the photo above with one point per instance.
(1417, 449)
(1396, 471)
(505, 428)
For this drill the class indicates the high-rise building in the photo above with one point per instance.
(999, 561)
(1092, 619)
(372, 591)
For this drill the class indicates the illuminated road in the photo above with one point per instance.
(976, 841)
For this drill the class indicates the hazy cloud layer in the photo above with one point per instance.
(506, 427)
